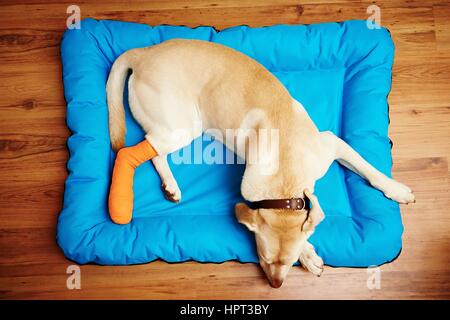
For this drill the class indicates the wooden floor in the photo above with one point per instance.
(33, 154)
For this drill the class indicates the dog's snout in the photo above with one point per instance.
(276, 283)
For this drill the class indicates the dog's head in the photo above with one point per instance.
(280, 236)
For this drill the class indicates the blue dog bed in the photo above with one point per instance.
(340, 72)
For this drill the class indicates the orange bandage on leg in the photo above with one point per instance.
(121, 192)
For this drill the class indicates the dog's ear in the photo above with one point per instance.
(246, 216)
(315, 215)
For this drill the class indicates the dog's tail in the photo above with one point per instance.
(114, 94)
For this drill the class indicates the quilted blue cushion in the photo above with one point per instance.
(340, 72)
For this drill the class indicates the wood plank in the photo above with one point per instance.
(442, 22)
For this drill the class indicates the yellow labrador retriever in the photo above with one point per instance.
(192, 86)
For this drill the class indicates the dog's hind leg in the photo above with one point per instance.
(121, 193)
(349, 158)
(168, 183)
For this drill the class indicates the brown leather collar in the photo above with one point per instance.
(287, 204)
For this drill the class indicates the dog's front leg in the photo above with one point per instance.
(310, 260)
(349, 158)
(168, 183)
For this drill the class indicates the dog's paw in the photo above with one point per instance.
(397, 191)
(171, 191)
(311, 261)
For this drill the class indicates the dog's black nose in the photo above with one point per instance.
(276, 283)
